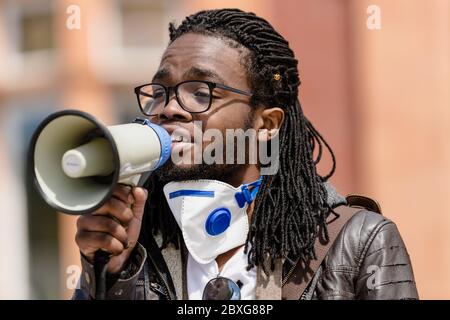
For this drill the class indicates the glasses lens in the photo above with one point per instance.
(194, 96)
(221, 289)
(152, 99)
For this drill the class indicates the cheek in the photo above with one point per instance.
(216, 125)
(230, 117)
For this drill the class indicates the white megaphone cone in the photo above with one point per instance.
(76, 161)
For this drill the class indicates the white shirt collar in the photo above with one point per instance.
(235, 269)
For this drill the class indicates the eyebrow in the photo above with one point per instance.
(197, 72)
(161, 74)
(192, 73)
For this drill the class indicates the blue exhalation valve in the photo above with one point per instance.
(218, 221)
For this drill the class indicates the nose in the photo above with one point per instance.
(173, 111)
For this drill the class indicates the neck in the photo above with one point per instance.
(224, 257)
(245, 174)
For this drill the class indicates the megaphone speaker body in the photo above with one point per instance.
(76, 161)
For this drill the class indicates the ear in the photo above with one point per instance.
(268, 122)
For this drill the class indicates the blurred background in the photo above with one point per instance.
(378, 90)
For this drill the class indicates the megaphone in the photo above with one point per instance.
(76, 160)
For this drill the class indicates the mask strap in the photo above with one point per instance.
(246, 196)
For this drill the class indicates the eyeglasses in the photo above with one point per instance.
(194, 96)
(221, 288)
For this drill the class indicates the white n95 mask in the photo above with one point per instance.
(212, 215)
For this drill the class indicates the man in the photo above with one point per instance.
(227, 69)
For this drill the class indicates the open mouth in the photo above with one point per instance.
(179, 139)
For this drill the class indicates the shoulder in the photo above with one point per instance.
(359, 235)
(368, 260)
(364, 225)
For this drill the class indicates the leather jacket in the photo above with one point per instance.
(368, 260)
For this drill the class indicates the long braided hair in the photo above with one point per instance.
(291, 205)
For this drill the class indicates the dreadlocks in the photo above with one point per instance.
(291, 205)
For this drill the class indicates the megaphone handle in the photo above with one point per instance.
(144, 177)
(101, 259)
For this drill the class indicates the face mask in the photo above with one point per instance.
(212, 215)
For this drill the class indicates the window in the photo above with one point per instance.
(28, 45)
(36, 32)
(143, 23)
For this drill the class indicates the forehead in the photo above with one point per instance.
(191, 52)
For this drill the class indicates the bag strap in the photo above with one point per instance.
(301, 275)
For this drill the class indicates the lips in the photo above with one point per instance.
(177, 139)
(180, 139)
(179, 134)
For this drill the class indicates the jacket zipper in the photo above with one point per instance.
(289, 274)
(165, 286)
(159, 288)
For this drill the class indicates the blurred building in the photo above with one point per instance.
(380, 97)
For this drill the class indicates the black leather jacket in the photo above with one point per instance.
(368, 260)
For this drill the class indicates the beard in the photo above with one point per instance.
(221, 172)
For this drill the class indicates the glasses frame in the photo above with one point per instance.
(168, 90)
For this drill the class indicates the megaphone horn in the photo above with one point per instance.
(76, 160)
